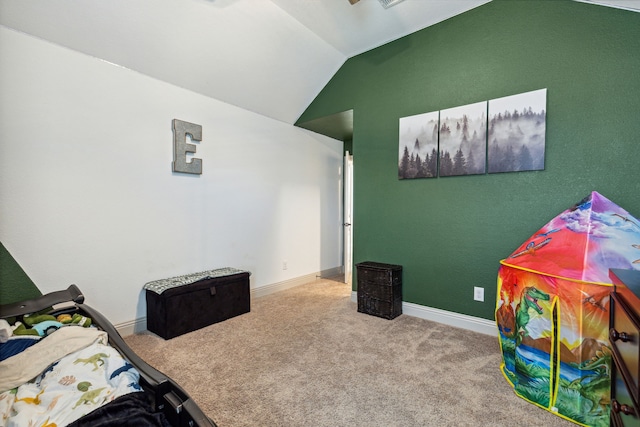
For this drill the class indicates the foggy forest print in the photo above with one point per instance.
(463, 140)
(502, 135)
(517, 127)
(418, 142)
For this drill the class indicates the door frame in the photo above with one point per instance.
(347, 224)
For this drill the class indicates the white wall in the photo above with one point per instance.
(87, 195)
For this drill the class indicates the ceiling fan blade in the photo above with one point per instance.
(353, 1)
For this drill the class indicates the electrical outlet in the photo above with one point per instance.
(478, 294)
(284, 264)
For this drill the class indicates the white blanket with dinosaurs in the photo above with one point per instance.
(72, 385)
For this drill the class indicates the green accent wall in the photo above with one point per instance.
(15, 285)
(450, 233)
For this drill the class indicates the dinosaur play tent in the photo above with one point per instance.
(552, 309)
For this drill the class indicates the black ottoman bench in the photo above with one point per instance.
(186, 303)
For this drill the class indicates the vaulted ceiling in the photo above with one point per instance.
(271, 57)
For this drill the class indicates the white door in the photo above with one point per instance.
(348, 217)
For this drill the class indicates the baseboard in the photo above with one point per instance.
(292, 283)
(472, 323)
(132, 327)
(140, 324)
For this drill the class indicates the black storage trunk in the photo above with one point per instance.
(187, 308)
(379, 289)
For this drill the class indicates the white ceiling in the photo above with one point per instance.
(353, 29)
(267, 56)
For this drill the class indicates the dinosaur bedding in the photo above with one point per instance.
(61, 378)
(62, 363)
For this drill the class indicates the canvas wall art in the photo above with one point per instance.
(463, 140)
(516, 136)
(418, 146)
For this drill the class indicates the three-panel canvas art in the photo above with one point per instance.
(501, 135)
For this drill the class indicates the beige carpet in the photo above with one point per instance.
(306, 357)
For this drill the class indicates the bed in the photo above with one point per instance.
(80, 373)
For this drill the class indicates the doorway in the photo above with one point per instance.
(348, 218)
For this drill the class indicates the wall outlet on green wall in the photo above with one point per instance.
(478, 294)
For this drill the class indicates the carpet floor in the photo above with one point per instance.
(306, 357)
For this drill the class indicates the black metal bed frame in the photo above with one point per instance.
(168, 397)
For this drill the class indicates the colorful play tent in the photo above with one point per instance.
(552, 309)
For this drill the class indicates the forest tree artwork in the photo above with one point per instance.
(517, 127)
(418, 146)
(502, 135)
(463, 140)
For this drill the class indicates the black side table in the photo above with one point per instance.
(379, 289)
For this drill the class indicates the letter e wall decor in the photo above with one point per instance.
(180, 147)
